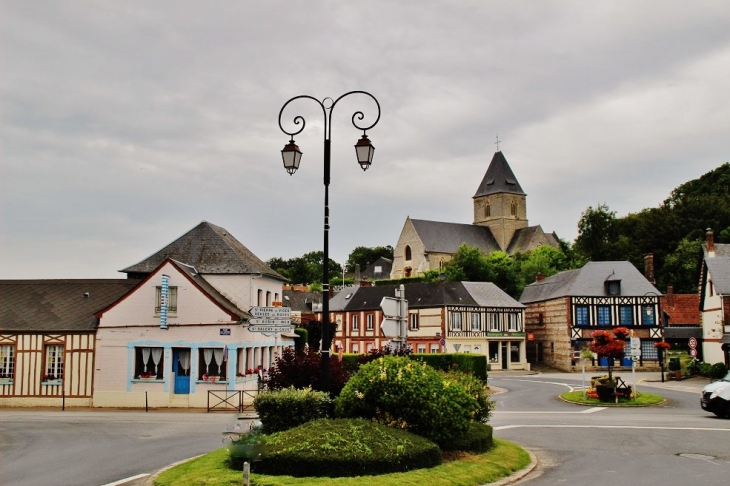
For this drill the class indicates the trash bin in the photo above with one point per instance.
(674, 364)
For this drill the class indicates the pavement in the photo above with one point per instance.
(644, 378)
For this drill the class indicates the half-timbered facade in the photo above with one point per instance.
(48, 337)
(466, 317)
(564, 309)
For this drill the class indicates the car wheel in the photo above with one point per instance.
(723, 413)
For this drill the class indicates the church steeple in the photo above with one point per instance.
(500, 203)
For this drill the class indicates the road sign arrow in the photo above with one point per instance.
(265, 321)
(389, 327)
(271, 312)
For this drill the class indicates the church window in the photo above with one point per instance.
(487, 210)
(513, 208)
(408, 252)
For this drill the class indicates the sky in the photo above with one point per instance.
(125, 124)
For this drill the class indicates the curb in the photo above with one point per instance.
(519, 474)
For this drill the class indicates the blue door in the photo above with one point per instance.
(181, 370)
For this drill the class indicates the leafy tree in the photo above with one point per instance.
(609, 344)
(682, 267)
(544, 260)
(596, 233)
(365, 256)
(468, 263)
(306, 269)
(502, 271)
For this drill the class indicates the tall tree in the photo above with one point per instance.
(596, 233)
(365, 256)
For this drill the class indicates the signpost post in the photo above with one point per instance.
(635, 353)
(395, 317)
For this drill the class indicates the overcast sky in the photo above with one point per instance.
(125, 124)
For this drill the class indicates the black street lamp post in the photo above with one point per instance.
(291, 155)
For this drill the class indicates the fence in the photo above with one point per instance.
(231, 400)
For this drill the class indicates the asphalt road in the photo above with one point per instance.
(81, 447)
(675, 443)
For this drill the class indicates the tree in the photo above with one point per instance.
(609, 345)
(468, 263)
(365, 256)
(544, 260)
(596, 232)
(682, 267)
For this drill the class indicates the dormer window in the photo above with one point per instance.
(613, 287)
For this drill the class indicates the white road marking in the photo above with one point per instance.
(635, 427)
(122, 481)
(588, 410)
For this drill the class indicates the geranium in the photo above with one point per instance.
(662, 345)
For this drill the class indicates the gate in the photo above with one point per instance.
(231, 400)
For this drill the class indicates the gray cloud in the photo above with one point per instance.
(125, 124)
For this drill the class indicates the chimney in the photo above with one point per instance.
(670, 296)
(649, 267)
(539, 277)
(357, 272)
(710, 243)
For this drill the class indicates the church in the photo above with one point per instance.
(500, 224)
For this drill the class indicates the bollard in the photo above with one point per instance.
(246, 473)
(146, 407)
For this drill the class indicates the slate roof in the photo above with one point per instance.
(684, 309)
(441, 237)
(425, 294)
(524, 236)
(719, 269)
(301, 301)
(57, 305)
(211, 250)
(589, 282)
(722, 250)
(385, 264)
(499, 178)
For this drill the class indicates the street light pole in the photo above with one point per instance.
(291, 156)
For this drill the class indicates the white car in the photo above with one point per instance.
(716, 397)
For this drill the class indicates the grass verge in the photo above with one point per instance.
(642, 400)
(502, 460)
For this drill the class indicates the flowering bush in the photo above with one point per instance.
(405, 394)
(609, 344)
(662, 345)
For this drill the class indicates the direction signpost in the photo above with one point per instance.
(395, 317)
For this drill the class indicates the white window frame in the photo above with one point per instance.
(434, 348)
(512, 323)
(456, 321)
(476, 321)
(370, 319)
(355, 322)
(171, 299)
(7, 361)
(355, 348)
(54, 362)
(421, 349)
(413, 321)
(494, 322)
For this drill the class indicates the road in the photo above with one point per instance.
(675, 443)
(82, 447)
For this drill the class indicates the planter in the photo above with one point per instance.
(603, 361)
(626, 361)
(150, 378)
(605, 393)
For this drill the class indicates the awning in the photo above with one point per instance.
(671, 332)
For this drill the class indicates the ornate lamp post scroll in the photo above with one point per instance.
(292, 156)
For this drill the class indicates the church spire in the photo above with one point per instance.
(499, 178)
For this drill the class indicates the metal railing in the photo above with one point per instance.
(231, 400)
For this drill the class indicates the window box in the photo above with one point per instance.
(6, 381)
(147, 378)
(52, 382)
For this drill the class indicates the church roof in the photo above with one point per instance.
(439, 237)
(524, 237)
(499, 178)
(588, 281)
(211, 250)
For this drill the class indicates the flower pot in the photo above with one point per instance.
(626, 361)
(605, 393)
(602, 361)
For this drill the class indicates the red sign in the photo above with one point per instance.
(692, 343)
(530, 336)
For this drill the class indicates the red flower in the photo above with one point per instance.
(662, 345)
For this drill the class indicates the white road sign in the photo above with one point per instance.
(258, 328)
(271, 312)
(263, 321)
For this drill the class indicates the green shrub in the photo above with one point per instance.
(477, 439)
(469, 363)
(410, 395)
(287, 408)
(477, 389)
(704, 369)
(246, 448)
(345, 447)
(717, 371)
(301, 340)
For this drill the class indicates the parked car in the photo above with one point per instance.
(716, 397)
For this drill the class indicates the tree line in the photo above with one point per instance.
(673, 232)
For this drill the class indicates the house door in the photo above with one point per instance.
(505, 355)
(181, 370)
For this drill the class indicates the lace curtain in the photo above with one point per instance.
(145, 358)
(207, 356)
(218, 353)
(183, 357)
(156, 355)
